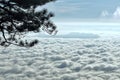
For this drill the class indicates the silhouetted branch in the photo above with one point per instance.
(19, 17)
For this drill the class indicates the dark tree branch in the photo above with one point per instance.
(17, 17)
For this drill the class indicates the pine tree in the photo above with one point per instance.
(18, 17)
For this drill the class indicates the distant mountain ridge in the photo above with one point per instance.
(70, 35)
(78, 35)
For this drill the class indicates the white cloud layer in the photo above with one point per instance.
(62, 59)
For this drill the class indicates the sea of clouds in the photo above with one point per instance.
(62, 59)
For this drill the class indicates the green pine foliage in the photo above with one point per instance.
(18, 17)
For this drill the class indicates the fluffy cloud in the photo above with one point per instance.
(62, 59)
(111, 15)
(116, 14)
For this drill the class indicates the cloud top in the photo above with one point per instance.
(62, 59)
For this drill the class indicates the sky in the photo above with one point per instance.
(69, 10)
(85, 15)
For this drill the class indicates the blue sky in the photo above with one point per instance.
(85, 15)
(76, 10)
